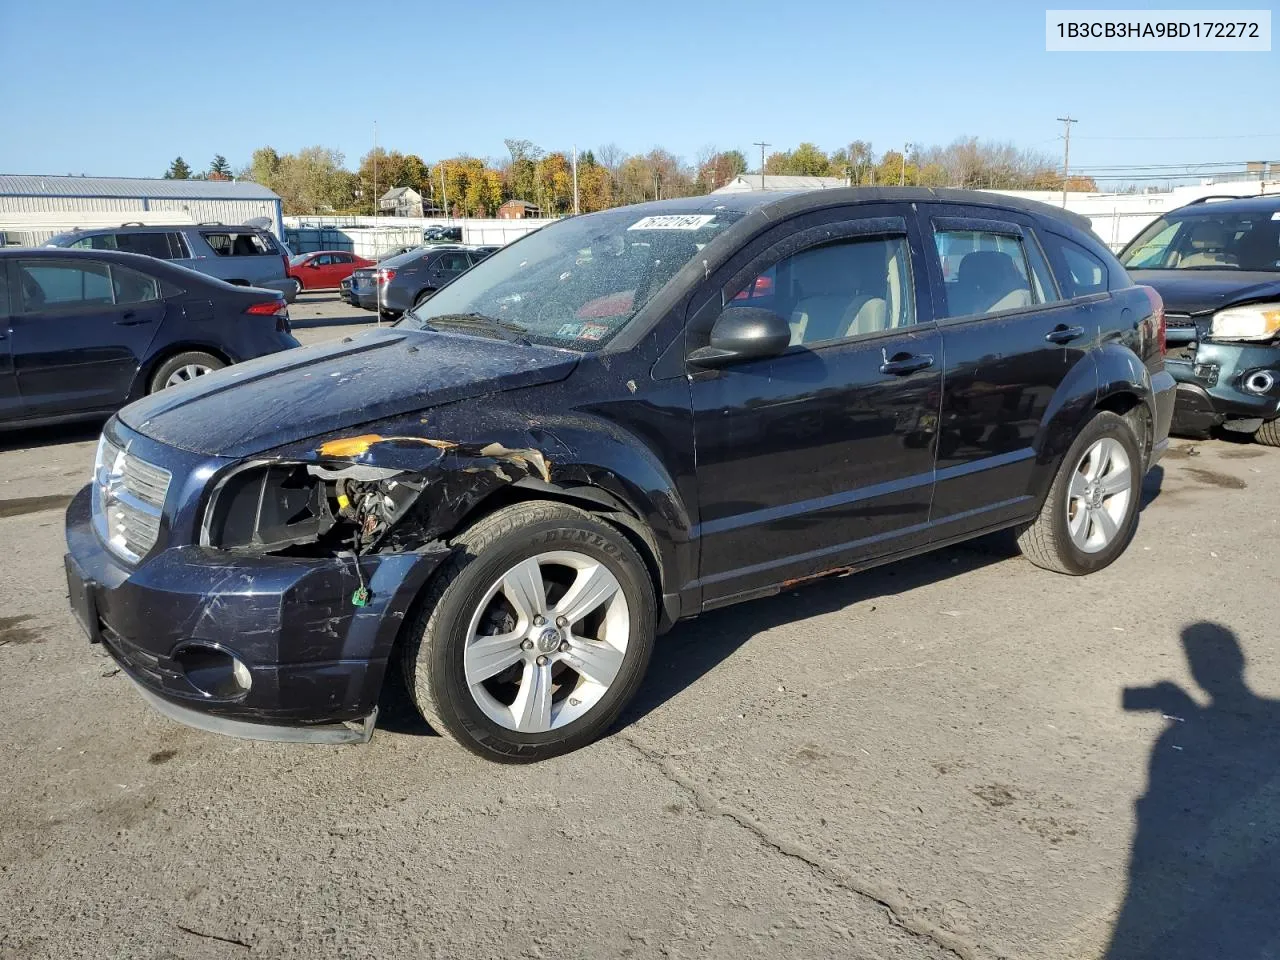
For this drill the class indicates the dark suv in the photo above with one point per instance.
(1216, 264)
(244, 256)
(588, 437)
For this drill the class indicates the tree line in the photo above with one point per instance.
(314, 180)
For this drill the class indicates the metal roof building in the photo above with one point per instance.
(753, 181)
(33, 208)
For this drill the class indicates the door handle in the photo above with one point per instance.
(902, 364)
(130, 318)
(1061, 334)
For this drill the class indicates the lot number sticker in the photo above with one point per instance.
(673, 221)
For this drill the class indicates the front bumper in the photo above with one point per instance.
(1211, 376)
(316, 662)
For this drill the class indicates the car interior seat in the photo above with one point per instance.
(988, 281)
(1208, 241)
(843, 291)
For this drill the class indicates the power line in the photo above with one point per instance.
(1229, 136)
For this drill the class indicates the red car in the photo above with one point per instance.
(324, 269)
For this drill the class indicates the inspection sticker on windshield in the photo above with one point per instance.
(674, 221)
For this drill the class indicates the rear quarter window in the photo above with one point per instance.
(1080, 272)
(240, 243)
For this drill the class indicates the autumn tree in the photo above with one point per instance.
(264, 167)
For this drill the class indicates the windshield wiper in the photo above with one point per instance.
(504, 329)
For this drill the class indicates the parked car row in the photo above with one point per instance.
(398, 283)
(590, 435)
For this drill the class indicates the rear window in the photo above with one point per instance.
(1080, 273)
(240, 244)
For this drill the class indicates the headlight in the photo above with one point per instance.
(1257, 321)
(269, 507)
(128, 498)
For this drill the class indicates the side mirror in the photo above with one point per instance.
(743, 333)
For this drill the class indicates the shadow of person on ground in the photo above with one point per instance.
(1204, 874)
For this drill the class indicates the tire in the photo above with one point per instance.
(174, 368)
(422, 298)
(1081, 528)
(1269, 433)
(469, 600)
(388, 314)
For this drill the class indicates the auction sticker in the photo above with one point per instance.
(593, 331)
(674, 221)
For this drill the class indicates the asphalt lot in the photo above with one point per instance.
(929, 760)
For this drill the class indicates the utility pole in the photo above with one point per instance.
(902, 178)
(575, 179)
(761, 144)
(1066, 155)
(375, 178)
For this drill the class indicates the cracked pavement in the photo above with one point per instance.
(929, 760)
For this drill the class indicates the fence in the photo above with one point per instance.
(474, 230)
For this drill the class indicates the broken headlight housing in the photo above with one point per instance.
(1255, 321)
(305, 509)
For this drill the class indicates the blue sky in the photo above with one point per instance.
(121, 88)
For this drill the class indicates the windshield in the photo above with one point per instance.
(295, 260)
(576, 283)
(1202, 239)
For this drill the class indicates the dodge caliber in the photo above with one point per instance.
(622, 420)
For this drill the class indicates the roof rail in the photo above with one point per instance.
(1217, 196)
(133, 223)
(210, 223)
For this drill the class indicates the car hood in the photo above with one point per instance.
(1203, 291)
(256, 406)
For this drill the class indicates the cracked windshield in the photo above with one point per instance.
(576, 286)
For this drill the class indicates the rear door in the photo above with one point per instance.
(1010, 339)
(81, 331)
(340, 268)
(448, 265)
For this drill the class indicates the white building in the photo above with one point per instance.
(753, 181)
(34, 208)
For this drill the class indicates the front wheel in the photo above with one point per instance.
(535, 634)
(1091, 511)
(1269, 433)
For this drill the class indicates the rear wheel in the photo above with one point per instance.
(534, 636)
(1269, 433)
(184, 368)
(422, 298)
(1091, 511)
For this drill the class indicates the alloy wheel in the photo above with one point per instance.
(546, 641)
(1099, 494)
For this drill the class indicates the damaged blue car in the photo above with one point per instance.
(621, 420)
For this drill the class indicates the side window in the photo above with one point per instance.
(321, 261)
(178, 247)
(838, 290)
(454, 262)
(1085, 273)
(49, 285)
(220, 242)
(150, 244)
(984, 272)
(130, 286)
(99, 241)
(342, 258)
(4, 290)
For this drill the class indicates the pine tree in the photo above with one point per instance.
(219, 169)
(178, 170)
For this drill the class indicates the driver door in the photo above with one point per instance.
(823, 455)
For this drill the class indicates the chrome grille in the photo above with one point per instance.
(128, 501)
